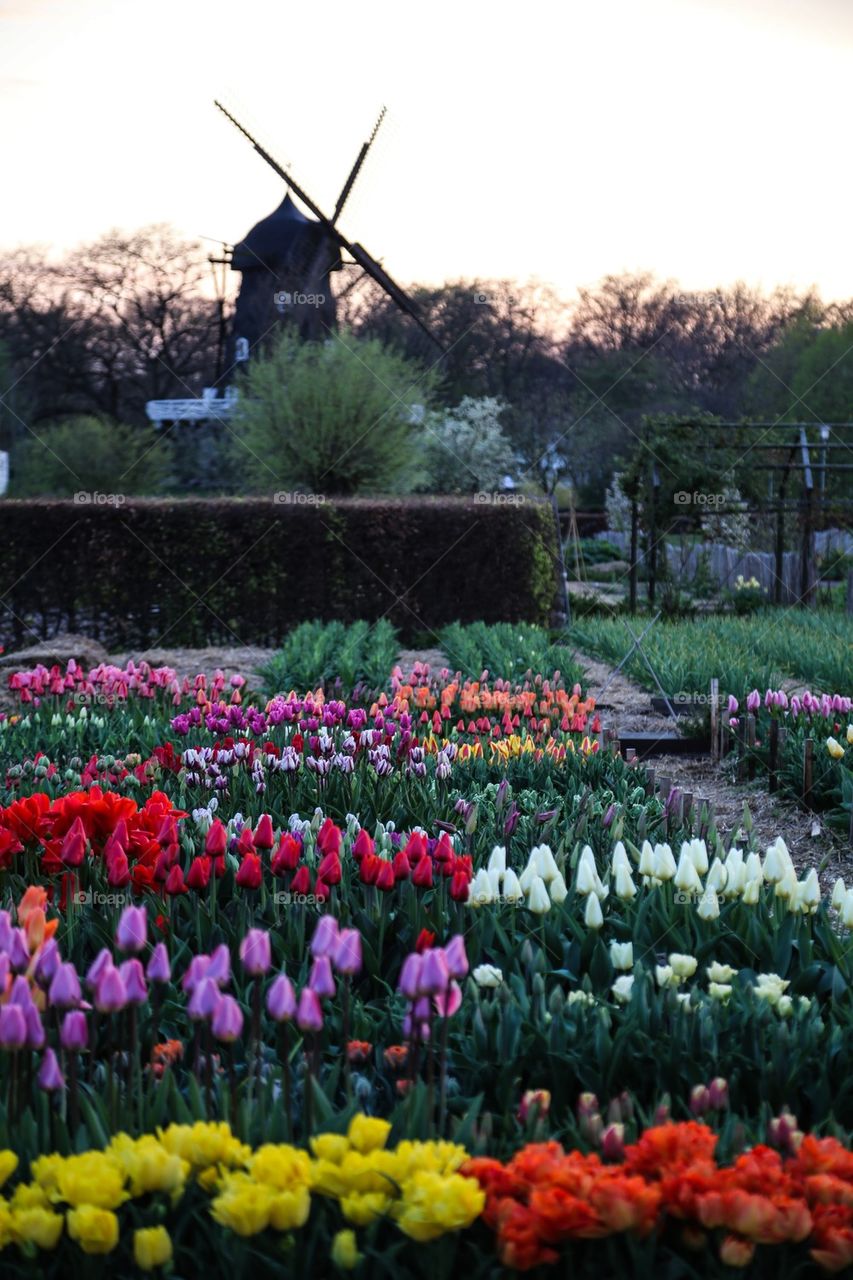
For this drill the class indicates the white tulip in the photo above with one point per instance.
(622, 955)
(784, 1006)
(497, 861)
(699, 854)
(547, 867)
(619, 859)
(719, 990)
(527, 876)
(486, 975)
(716, 876)
(751, 893)
(664, 976)
(537, 897)
(847, 910)
(686, 878)
(593, 917)
(625, 887)
(647, 860)
(839, 892)
(720, 972)
(754, 869)
(770, 987)
(557, 889)
(709, 905)
(664, 862)
(787, 887)
(587, 873)
(811, 891)
(622, 988)
(495, 878)
(580, 997)
(480, 889)
(512, 890)
(683, 966)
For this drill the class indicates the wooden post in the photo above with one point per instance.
(808, 771)
(741, 748)
(688, 805)
(750, 746)
(677, 809)
(635, 531)
(773, 776)
(650, 784)
(849, 603)
(715, 719)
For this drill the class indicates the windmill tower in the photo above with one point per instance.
(288, 259)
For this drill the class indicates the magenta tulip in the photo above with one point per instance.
(64, 991)
(50, 1077)
(255, 953)
(132, 929)
(74, 1033)
(281, 1001)
(347, 958)
(227, 1020)
(159, 968)
(309, 1014)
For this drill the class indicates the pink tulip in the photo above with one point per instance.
(64, 991)
(50, 1077)
(133, 977)
(227, 1021)
(456, 957)
(321, 979)
(74, 1033)
(159, 968)
(110, 993)
(281, 1001)
(13, 1027)
(255, 953)
(347, 958)
(132, 930)
(409, 981)
(309, 1014)
(203, 1001)
(325, 938)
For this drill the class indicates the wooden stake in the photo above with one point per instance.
(773, 778)
(808, 771)
(750, 746)
(715, 719)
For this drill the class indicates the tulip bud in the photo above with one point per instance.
(700, 1100)
(132, 929)
(255, 953)
(613, 1142)
(309, 1014)
(50, 1077)
(281, 1001)
(74, 1033)
(718, 1093)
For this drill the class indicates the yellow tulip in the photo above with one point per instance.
(152, 1247)
(345, 1252)
(94, 1229)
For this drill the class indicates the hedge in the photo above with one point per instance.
(192, 571)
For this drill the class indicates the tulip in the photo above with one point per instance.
(102, 961)
(435, 974)
(686, 877)
(159, 968)
(216, 841)
(536, 1103)
(422, 874)
(487, 976)
(622, 988)
(718, 1093)
(709, 905)
(118, 871)
(622, 955)
(839, 892)
(309, 1014)
(301, 882)
(593, 916)
(74, 1033)
(133, 977)
(324, 940)
(700, 1100)
(19, 951)
(13, 1027)
(385, 878)
(625, 887)
(132, 929)
(174, 883)
(558, 890)
(456, 957)
(198, 876)
(449, 1001)
(587, 873)
(47, 963)
(834, 748)
(281, 1001)
(250, 872)
(287, 855)
(50, 1077)
(110, 992)
(227, 1020)
(74, 844)
(219, 966)
(497, 860)
(753, 701)
(264, 835)
(64, 991)
(513, 892)
(322, 980)
(255, 953)
(665, 868)
(647, 860)
(613, 1142)
(347, 957)
(203, 1001)
(537, 898)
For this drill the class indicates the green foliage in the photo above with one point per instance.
(89, 455)
(330, 417)
(465, 449)
(332, 653)
(507, 651)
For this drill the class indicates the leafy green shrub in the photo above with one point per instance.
(506, 651)
(89, 455)
(324, 652)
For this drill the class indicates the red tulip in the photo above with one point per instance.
(329, 869)
(329, 837)
(362, 845)
(264, 835)
(74, 845)
(385, 876)
(287, 855)
(250, 872)
(198, 876)
(422, 874)
(246, 843)
(321, 890)
(301, 882)
(175, 882)
(444, 849)
(118, 871)
(416, 847)
(425, 941)
(459, 886)
(402, 866)
(369, 868)
(217, 839)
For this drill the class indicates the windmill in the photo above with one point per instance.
(287, 260)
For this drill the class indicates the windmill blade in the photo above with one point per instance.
(354, 171)
(365, 260)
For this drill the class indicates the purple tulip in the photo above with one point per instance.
(227, 1021)
(409, 981)
(456, 957)
(6, 930)
(64, 991)
(133, 977)
(159, 969)
(35, 1029)
(74, 1033)
(321, 979)
(255, 954)
(110, 993)
(434, 975)
(309, 1014)
(196, 972)
(733, 704)
(4, 971)
(421, 1009)
(511, 820)
(132, 930)
(19, 952)
(347, 958)
(102, 961)
(20, 993)
(47, 963)
(281, 1001)
(753, 701)
(50, 1077)
(796, 706)
(219, 968)
(325, 938)
(13, 1027)
(203, 1000)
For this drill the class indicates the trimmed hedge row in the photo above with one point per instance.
(195, 570)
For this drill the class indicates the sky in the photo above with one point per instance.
(552, 141)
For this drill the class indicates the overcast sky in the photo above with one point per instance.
(555, 140)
